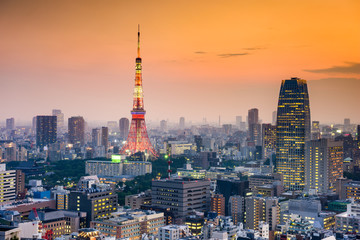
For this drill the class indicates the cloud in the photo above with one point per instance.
(226, 55)
(200, 52)
(351, 67)
(254, 48)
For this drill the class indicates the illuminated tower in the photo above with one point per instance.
(292, 131)
(138, 140)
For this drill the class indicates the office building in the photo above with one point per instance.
(60, 119)
(61, 197)
(349, 221)
(173, 232)
(76, 127)
(268, 140)
(59, 222)
(135, 201)
(182, 123)
(323, 164)
(117, 168)
(124, 125)
(265, 209)
(237, 208)
(347, 125)
(274, 116)
(130, 224)
(8, 185)
(315, 130)
(310, 210)
(10, 124)
(105, 138)
(352, 189)
(217, 204)
(96, 137)
(292, 131)
(46, 131)
(97, 200)
(254, 126)
(182, 196)
(231, 187)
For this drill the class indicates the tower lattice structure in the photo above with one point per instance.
(138, 139)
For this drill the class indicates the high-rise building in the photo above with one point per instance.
(182, 123)
(60, 119)
(10, 123)
(323, 164)
(254, 126)
(230, 187)
(268, 140)
(315, 130)
(97, 200)
(96, 137)
(46, 131)
(163, 125)
(238, 121)
(182, 196)
(292, 131)
(76, 127)
(217, 204)
(253, 116)
(265, 209)
(8, 185)
(105, 138)
(124, 127)
(237, 208)
(138, 139)
(347, 126)
(274, 115)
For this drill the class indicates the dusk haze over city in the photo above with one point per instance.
(179, 120)
(202, 59)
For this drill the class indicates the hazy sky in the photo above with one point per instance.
(200, 58)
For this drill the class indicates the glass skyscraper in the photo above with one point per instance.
(292, 131)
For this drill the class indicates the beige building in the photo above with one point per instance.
(130, 224)
(323, 164)
(265, 209)
(135, 201)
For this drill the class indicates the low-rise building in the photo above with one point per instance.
(349, 221)
(130, 224)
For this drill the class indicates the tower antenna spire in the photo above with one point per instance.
(138, 50)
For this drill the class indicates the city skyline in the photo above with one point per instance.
(200, 59)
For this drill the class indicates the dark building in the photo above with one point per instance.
(105, 138)
(292, 131)
(182, 196)
(230, 187)
(206, 160)
(254, 126)
(168, 214)
(20, 185)
(46, 131)
(76, 127)
(268, 140)
(124, 125)
(10, 123)
(198, 143)
(94, 201)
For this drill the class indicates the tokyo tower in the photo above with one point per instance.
(138, 140)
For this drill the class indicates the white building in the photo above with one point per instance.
(7, 185)
(349, 221)
(173, 232)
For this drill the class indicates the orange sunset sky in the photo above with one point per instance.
(200, 58)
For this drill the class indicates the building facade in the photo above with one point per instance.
(292, 131)
(46, 131)
(76, 126)
(323, 165)
(182, 196)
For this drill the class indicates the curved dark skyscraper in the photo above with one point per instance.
(292, 131)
